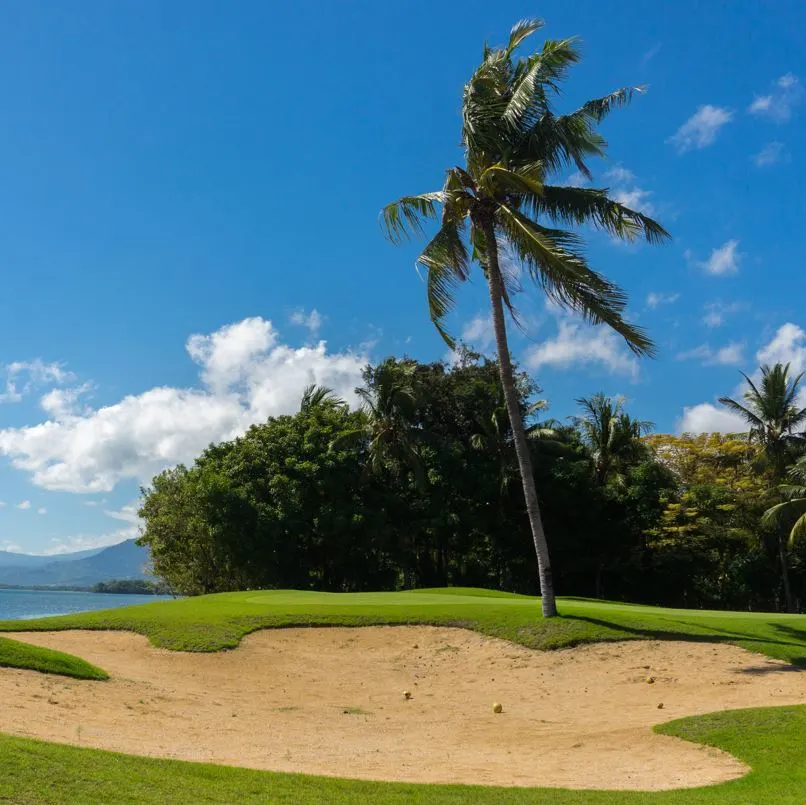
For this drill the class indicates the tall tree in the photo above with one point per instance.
(501, 201)
(611, 435)
(774, 418)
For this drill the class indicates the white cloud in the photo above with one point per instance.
(25, 504)
(724, 259)
(577, 179)
(651, 53)
(12, 547)
(313, 320)
(247, 375)
(701, 129)
(24, 376)
(707, 418)
(63, 403)
(620, 175)
(716, 312)
(479, 332)
(127, 513)
(730, 355)
(654, 300)
(777, 105)
(627, 192)
(42, 510)
(635, 199)
(770, 154)
(576, 345)
(788, 345)
(2, 504)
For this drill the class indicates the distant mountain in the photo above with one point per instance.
(81, 569)
(9, 559)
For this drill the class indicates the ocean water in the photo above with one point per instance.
(20, 604)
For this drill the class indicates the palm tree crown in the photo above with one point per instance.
(610, 433)
(513, 142)
(772, 413)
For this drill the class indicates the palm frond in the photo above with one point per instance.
(752, 419)
(578, 205)
(566, 278)
(598, 109)
(521, 30)
(406, 214)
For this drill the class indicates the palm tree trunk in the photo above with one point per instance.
(495, 283)
(790, 604)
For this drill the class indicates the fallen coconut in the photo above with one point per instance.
(497, 707)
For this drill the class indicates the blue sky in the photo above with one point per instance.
(188, 220)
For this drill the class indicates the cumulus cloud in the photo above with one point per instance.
(312, 321)
(770, 154)
(86, 542)
(788, 345)
(246, 375)
(24, 505)
(654, 300)
(730, 355)
(701, 129)
(576, 345)
(42, 510)
(22, 377)
(777, 105)
(707, 418)
(577, 179)
(724, 259)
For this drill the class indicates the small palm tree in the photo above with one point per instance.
(774, 418)
(502, 200)
(792, 512)
(319, 397)
(390, 406)
(611, 435)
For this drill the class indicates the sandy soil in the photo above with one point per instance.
(330, 701)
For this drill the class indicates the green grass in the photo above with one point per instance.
(215, 622)
(772, 741)
(14, 654)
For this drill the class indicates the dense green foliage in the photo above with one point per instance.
(14, 654)
(215, 622)
(419, 488)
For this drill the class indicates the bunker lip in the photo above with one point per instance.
(330, 701)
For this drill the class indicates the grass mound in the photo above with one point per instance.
(215, 622)
(14, 654)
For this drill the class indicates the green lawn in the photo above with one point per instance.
(14, 654)
(215, 622)
(772, 741)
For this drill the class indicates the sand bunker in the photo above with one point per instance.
(330, 701)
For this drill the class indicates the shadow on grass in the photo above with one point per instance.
(716, 635)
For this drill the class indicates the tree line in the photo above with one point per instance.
(419, 487)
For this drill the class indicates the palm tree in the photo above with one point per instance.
(793, 509)
(314, 397)
(500, 200)
(611, 435)
(771, 411)
(774, 418)
(390, 404)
